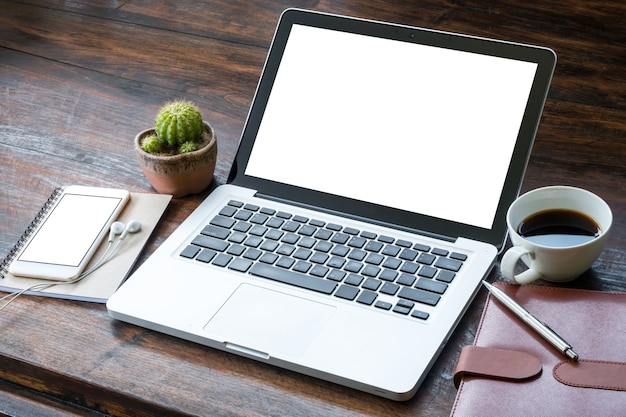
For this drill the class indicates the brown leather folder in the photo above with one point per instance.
(512, 371)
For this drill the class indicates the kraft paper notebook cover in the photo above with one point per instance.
(99, 286)
(592, 321)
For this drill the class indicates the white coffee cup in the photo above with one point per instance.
(552, 261)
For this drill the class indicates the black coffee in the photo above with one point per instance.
(558, 228)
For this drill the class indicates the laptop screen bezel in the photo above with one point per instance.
(544, 58)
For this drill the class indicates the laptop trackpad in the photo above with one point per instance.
(259, 321)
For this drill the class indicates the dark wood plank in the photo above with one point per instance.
(186, 64)
(18, 401)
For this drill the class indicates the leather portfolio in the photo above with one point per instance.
(511, 371)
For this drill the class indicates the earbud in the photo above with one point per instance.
(116, 229)
(133, 227)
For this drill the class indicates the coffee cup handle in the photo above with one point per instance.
(510, 259)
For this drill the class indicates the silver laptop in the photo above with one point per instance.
(365, 204)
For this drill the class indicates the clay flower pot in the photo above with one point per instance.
(182, 174)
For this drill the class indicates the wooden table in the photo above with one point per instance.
(79, 79)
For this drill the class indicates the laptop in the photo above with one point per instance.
(365, 204)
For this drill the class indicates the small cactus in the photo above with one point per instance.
(188, 147)
(151, 144)
(178, 127)
(178, 122)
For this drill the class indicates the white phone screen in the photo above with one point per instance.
(70, 230)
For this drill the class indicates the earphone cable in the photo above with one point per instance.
(106, 256)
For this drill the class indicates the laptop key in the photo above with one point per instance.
(283, 215)
(421, 248)
(293, 278)
(419, 296)
(391, 250)
(206, 255)
(216, 232)
(222, 259)
(432, 286)
(268, 211)
(237, 237)
(241, 265)
(373, 246)
(445, 276)
(285, 262)
(347, 293)
(210, 243)
(259, 218)
(406, 279)
(383, 305)
(275, 223)
(389, 288)
(388, 275)
(336, 275)
(340, 238)
(357, 242)
(307, 230)
(319, 258)
(235, 250)
(367, 297)
(408, 254)
(228, 211)
(354, 279)
(190, 252)
(427, 271)
(402, 309)
(449, 264)
(241, 226)
(458, 256)
(386, 239)
(225, 222)
(323, 234)
(243, 215)
(420, 314)
(319, 271)
(426, 258)
(291, 226)
(334, 227)
(268, 258)
(302, 266)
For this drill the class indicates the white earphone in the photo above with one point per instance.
(119, 228)
(133, 227)
(116, 229)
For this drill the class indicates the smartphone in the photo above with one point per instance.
(71, 232)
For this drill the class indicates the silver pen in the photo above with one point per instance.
(544, 331)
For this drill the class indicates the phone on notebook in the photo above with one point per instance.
(70, 233)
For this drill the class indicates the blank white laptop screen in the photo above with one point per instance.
(435, 118)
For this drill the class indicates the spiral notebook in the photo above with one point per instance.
(100, 285)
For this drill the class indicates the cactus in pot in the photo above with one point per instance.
(179, 154)
(178, 129)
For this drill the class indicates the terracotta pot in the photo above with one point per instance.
(179, 175)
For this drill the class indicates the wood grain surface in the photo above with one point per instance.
(79, 79)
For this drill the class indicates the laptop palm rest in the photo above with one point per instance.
(258, 321)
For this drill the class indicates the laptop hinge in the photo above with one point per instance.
(358, 218)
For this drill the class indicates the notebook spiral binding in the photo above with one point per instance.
(32, 227)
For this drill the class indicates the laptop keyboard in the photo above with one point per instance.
(356, 265)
